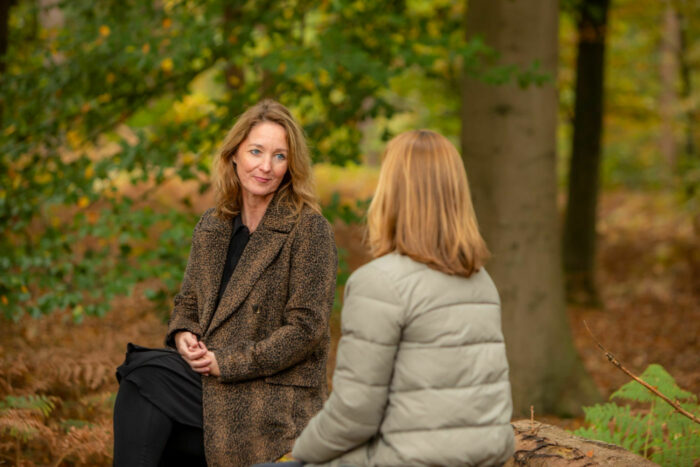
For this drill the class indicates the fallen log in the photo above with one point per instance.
(538, 444)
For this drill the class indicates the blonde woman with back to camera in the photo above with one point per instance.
(421, 376)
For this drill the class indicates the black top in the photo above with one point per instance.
(239, 239)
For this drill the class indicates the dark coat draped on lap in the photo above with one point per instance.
(269, 331)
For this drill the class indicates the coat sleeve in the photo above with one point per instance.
(185, 316)
(371, 331)
(313, 267)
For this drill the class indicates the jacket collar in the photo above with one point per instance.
(278, 217)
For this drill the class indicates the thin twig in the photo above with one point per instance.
(533, 431)
(616, 362)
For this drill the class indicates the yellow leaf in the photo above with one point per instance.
(167, 22)
(73, 138)
(398, 38)
(111, 78)
(336, 96)
(282, 67)
(102, 98)
(167, 65)
(441, 66)
(78, 311)
(288, 13)
(4, 300)
(146, 48)
(104, 30)
(42, 178)
(83, 202)
(89, 171)
(433, 29)
(85, 108)
(24, 289)
(188, 159)
(92, 217)
(324, 77)
(9, 130)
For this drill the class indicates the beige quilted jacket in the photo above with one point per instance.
(421, 376)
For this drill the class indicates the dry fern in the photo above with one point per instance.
(87, 445)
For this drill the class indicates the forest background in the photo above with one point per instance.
(578, 122)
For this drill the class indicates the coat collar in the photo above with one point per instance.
(278, 217)
(262, 248)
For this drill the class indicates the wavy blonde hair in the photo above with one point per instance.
(422, 206)
(297, 187)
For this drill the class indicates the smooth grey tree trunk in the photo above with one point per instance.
(508, 144)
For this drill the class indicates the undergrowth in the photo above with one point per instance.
(643, 423)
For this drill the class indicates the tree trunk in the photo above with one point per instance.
(5, 6)
(580, 220)
(4, 31)
(508, 142)
(668, 74)
(690, 146)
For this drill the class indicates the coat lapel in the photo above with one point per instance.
(262, 249)
(215, 235)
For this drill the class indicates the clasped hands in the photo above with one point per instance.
(196, 354)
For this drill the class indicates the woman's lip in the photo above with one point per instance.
(261, 180)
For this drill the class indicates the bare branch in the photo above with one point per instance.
(611, 358)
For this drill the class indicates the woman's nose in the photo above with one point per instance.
(266, 164)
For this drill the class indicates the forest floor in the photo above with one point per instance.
(649, 279)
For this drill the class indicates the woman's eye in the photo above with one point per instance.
(255, 151)
(281, 156)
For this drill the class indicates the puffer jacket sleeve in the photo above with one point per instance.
(371, 330)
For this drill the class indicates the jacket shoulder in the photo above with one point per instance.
(312, 221)
(377, 279)
(417, 282)
(207, 219)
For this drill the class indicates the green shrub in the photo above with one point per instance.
(652, 428)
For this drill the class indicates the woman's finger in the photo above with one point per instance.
(194, 354)
(200, 363)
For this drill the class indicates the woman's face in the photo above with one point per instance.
(261, 159)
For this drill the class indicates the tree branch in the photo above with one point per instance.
(616, 362)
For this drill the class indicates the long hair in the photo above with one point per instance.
(422, 206)
(297, 187)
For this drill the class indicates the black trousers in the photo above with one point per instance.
(158, 411)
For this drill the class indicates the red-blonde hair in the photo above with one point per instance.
(422, 207)
(297, 187)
